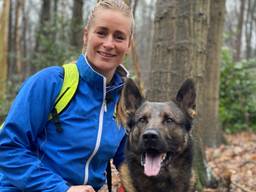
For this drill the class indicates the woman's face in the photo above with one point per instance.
(107, 40)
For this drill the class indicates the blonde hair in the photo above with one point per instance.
(118, 5)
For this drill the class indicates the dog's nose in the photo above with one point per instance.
(150, 135)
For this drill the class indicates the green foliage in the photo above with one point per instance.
(53, 45)
(237, 94)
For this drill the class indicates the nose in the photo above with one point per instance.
(150, 136)
(108, 42)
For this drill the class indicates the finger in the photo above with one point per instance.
(89, 188)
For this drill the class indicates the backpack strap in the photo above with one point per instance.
(68, 89)
(69, 86)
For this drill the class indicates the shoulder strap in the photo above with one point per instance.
(70, 83)
(68, 89)
(69, 86)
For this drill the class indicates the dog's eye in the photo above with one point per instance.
(168, 120)
(142, 120)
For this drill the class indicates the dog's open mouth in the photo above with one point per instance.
(152, 162)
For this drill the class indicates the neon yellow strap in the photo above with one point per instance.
(2, 126)
(69, 86)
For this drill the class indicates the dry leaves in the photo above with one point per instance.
(238, 158)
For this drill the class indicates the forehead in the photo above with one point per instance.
(157, 109)
(112, 19)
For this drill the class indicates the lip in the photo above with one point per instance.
(105, 54)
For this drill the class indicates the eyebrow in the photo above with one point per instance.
(105, 28)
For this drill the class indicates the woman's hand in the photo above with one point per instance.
(81, 188)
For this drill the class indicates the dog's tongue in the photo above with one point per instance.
(152, 165)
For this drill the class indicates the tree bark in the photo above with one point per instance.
(133, 50)
(77, 24)
(44, 21)
(3, 47)
(11, 43)
(180, 51)
(18, 36)
(212, 132)
(238, 41)
(250, 19)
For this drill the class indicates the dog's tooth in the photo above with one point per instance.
(164, 156)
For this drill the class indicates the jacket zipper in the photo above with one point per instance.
(97, 145)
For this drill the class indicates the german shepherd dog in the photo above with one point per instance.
(159, 144)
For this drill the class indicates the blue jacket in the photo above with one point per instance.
(35, 157)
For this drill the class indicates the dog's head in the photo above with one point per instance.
(158, 132)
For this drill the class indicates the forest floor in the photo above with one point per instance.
(236, 162)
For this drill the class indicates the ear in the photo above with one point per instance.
(186, 97)
(132, 96)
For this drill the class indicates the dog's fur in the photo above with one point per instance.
(159, 145)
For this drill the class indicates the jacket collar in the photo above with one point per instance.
(88, 74)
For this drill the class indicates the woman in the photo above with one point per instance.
(33, 155)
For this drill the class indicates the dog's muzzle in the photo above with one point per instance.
(153, 154)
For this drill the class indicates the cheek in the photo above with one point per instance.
(93, 41)
(123, 49)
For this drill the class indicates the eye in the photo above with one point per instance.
(101, 33)
(142, 120)
(168, 120)
(119, 36)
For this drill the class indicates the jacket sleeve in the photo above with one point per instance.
(119, 156)
(27, 117)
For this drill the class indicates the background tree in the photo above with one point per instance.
(4, 13)
(211, 129)
(76, 32)
(181, 38)
(239, 30)
(250, 25)
(144, 17)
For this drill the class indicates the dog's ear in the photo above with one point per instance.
(131, 99)
(132, 96)
(186, 97)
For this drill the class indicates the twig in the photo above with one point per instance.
(242, 187)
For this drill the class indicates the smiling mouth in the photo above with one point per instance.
(105, 54)
(153, 161)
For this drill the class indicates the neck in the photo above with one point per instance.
(109, 76)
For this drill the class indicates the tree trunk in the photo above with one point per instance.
(212, 132)
(11, 43)
(77, 24)
(44, 21)
(163, 57)
(133, 50)
(250, 18)
(238, 41)
(3, 47)
(43, 33)
(180, 52)
(24, 43)
(144, 38)
(18, 36)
